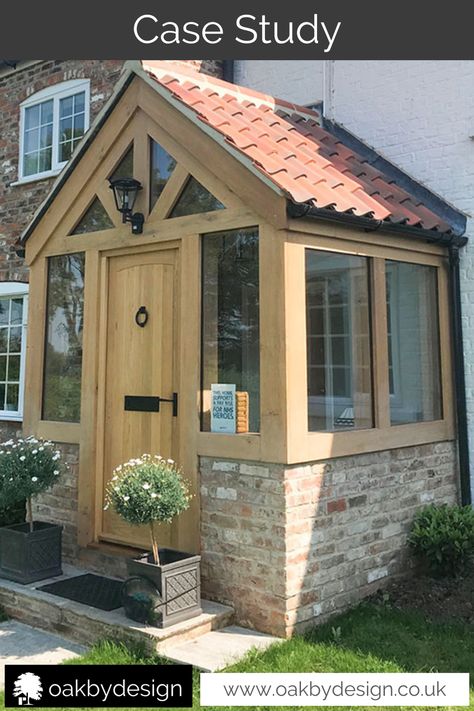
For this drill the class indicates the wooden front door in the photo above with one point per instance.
(140, 366)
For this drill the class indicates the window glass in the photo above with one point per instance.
(63, 350)
(38, 138)
(52, 126)
(125, 167)
(12, 347)
(230, 328)
(338, 342)
(94, 219)
(71, 124)
(413, 343)
(194, 199)
(161, 167)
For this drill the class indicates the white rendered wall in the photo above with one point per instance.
(419, 114)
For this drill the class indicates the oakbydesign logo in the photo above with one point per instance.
(27, 687)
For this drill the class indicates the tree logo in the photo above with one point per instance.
(28, 687)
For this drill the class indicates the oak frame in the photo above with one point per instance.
(284, 436)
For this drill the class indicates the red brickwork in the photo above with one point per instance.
(19, 202)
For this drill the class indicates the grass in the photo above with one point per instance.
(371, 639)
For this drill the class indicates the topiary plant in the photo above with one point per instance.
(443, 537)
(27, 468)
(148, 490)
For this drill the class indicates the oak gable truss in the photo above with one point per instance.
(139, 116)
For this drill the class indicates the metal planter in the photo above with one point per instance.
(177, 579)
(27, 556)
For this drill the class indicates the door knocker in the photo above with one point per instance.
(141, 317)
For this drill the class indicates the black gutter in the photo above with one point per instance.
(453, 242)
(455, 218)
(368, 224)
(459, 375)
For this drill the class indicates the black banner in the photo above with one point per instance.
(323, 29)
(102, 686)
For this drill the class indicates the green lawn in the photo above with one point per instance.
(371, 639)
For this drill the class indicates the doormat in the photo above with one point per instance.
(89, 589)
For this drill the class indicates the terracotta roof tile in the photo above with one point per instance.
(289, 146)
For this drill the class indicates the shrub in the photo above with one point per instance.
(148, 490)
(27, 468)
(443, 537)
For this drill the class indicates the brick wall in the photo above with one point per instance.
(288, 546)
(59, 504)
(19, 202)
(419, 114)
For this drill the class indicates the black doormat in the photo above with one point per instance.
(93, 590)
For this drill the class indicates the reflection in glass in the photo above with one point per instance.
(94, 219)
(230, 318)
(338, 342)
(125, 167)
(63, 351)
(71, 124)
(194, 199)
(413, 343)
(161, 167)
(12, 333)
(38, 138)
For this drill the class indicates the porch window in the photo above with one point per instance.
(63, 347)
(161, 167)
(53, 122)
(230, 331)
(195, 199)
(413, 343)
(338, 342)
(13, 320)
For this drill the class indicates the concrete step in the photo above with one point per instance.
(219, 649)
(86, 625)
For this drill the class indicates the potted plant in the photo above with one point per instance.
(148, 491)
(29, 551)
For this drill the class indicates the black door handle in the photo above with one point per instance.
(173, 400)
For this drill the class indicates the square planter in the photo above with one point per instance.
(178, 580)
(27, 556)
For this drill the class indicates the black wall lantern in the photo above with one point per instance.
(125, 193)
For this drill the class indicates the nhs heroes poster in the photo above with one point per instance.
(223, 416)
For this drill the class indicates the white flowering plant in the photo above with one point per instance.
(27, 468)
(147, 491)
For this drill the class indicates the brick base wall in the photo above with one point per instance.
(59, 505)
(289, 546)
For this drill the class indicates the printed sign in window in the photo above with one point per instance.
(223, 417)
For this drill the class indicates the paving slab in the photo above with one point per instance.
(22, 644)
(216, 650)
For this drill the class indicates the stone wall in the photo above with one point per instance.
(288, 546)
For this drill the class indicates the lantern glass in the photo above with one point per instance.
(125, 193)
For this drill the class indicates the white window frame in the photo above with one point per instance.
(13, 289)
(56, 93)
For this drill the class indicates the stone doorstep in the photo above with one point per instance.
(216, 650)
(86, 625)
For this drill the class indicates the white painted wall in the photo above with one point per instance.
(419, 114)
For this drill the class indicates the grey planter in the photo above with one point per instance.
(27, 556)
(178, 580)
